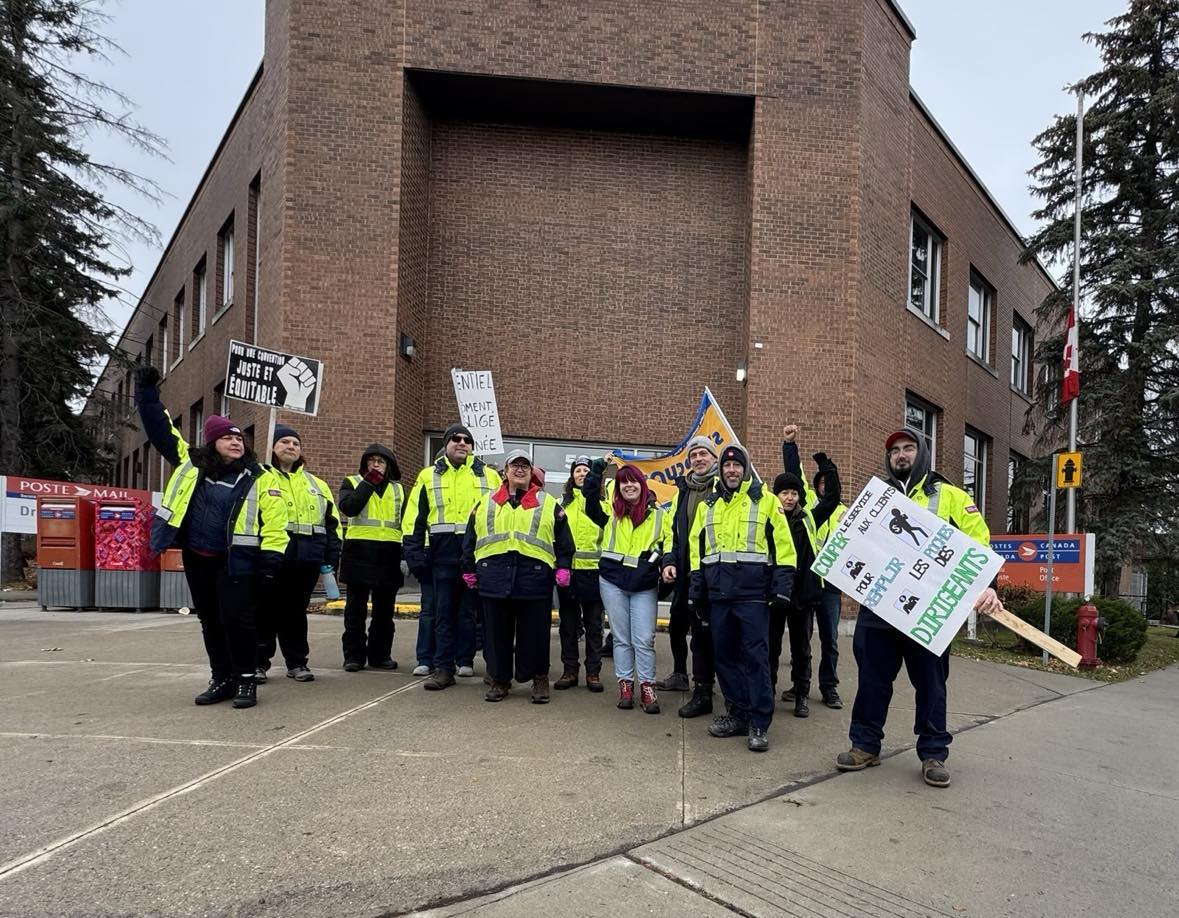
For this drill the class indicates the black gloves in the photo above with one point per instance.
(821, 459)
(269, 565)
(598, 467)
(146, 377)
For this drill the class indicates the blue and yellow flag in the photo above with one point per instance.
(662, 471)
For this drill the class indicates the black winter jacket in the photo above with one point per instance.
(365, 562)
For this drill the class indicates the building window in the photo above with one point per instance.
(1021, 355)
(253, 253)
(225, 265)
(925, 253)
(219, 399)
(148, 352)
(126, 479)
(196, 422)
(165, 353)
(922, 417)
(180, 323)
(200, 300)
(978, 318)
(1019, 505)
(974, 467)
(147, 466)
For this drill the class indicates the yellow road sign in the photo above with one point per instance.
(1068, 470)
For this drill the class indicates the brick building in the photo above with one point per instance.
(611, 206)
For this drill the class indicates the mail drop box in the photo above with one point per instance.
(127, 573)
(65, 552)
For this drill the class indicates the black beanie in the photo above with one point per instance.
(734, 454)
(457, 429)
(788, 481)
(281, 430)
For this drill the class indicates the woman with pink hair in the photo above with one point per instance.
(634, 533)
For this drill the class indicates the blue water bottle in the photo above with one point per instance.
(330, 588)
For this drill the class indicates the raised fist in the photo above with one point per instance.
(298, 380)
(790, 433)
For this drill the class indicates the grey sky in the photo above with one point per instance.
(992, 74)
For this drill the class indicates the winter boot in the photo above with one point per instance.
(218, 690)
(648, 699)
(626, 694)
(700, 702)
(247, 693)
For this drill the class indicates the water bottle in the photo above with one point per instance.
(330, 588)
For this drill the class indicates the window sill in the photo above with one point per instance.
(195, 341)
(220, 312)
(175, 363)
(1023, 395)
(977, 361)
(927, 320)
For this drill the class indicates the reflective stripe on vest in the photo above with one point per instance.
(165, 511)
(610, 554)
(320, 507)
(714, 555)
(529, 537)
(440, 526)
(248, 519)
(364, 518)
(935, 499)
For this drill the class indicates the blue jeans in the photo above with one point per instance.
(426, 636)
(827, 620)
(632, 622)
(740, 643)
(454, 620)
(880, 651)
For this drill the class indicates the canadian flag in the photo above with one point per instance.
(1070, 386)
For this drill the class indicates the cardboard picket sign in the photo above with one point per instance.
(915, 570)
(474, 390)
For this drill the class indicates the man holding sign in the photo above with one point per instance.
(879, 647)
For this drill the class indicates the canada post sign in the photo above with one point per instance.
(1025, 562)
(909, 566)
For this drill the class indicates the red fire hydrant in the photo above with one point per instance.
(1088, 626)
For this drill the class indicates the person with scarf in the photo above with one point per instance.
(691, 491)
(880, 649)
(636, 530)
(580, 603)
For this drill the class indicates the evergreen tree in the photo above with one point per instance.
(1129, 342)
(55, 232)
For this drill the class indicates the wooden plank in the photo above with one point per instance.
(1031, 633)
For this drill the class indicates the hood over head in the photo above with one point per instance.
(393, 473)
(921, 463)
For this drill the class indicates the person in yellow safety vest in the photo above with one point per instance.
(447, 492)
(880, 649)
(227, 514)
(741, 556)
(314, 549)
(580, 603)
(636, 532)
(799, 614)
(372, 504)
(516, 545)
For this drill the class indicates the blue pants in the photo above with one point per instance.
(879, 653)
(426, 636)
(632, 622)
(827, 620)
(454, 620)
(740, 643)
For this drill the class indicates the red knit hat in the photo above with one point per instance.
(217, 427)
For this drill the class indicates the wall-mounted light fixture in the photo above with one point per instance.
(408, 348)
(742, 371)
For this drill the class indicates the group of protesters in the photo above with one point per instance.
(488, 546)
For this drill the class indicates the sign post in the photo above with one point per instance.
(1051, 559)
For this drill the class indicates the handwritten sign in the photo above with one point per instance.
(474, 391)
(909, 566)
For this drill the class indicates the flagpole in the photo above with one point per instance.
(1070, 525)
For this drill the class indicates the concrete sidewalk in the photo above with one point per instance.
(361, 794)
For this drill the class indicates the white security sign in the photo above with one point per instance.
(475, 393)
(909, 566)
(271, 378)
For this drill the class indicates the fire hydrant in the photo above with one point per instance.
(1088, 629)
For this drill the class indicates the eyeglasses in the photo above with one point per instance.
(459, 438)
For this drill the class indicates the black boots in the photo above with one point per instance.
(700, 702)
(247, 693)
(218, 690)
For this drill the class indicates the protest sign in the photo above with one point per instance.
(909, 566)
(474, 391)
(271, 378)
(662, 471)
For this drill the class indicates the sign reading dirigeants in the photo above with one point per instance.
(272, 378)
(474, 391)
(909, 566)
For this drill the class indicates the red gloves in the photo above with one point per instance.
(563, 577)
(374, 477)
(471, 580)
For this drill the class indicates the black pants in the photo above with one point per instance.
(801, 622)
(283, 616)
(226, 608)
(575, 614)
(685, 621)
(379, 645)
(526, 623)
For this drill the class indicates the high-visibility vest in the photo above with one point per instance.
(628, 544)
(830, 524)
(955, 506)
(261, 521)
(734, 531)
(451, 495)
(380, 519)
(587, 535)
(530, 531)
(308, 502)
